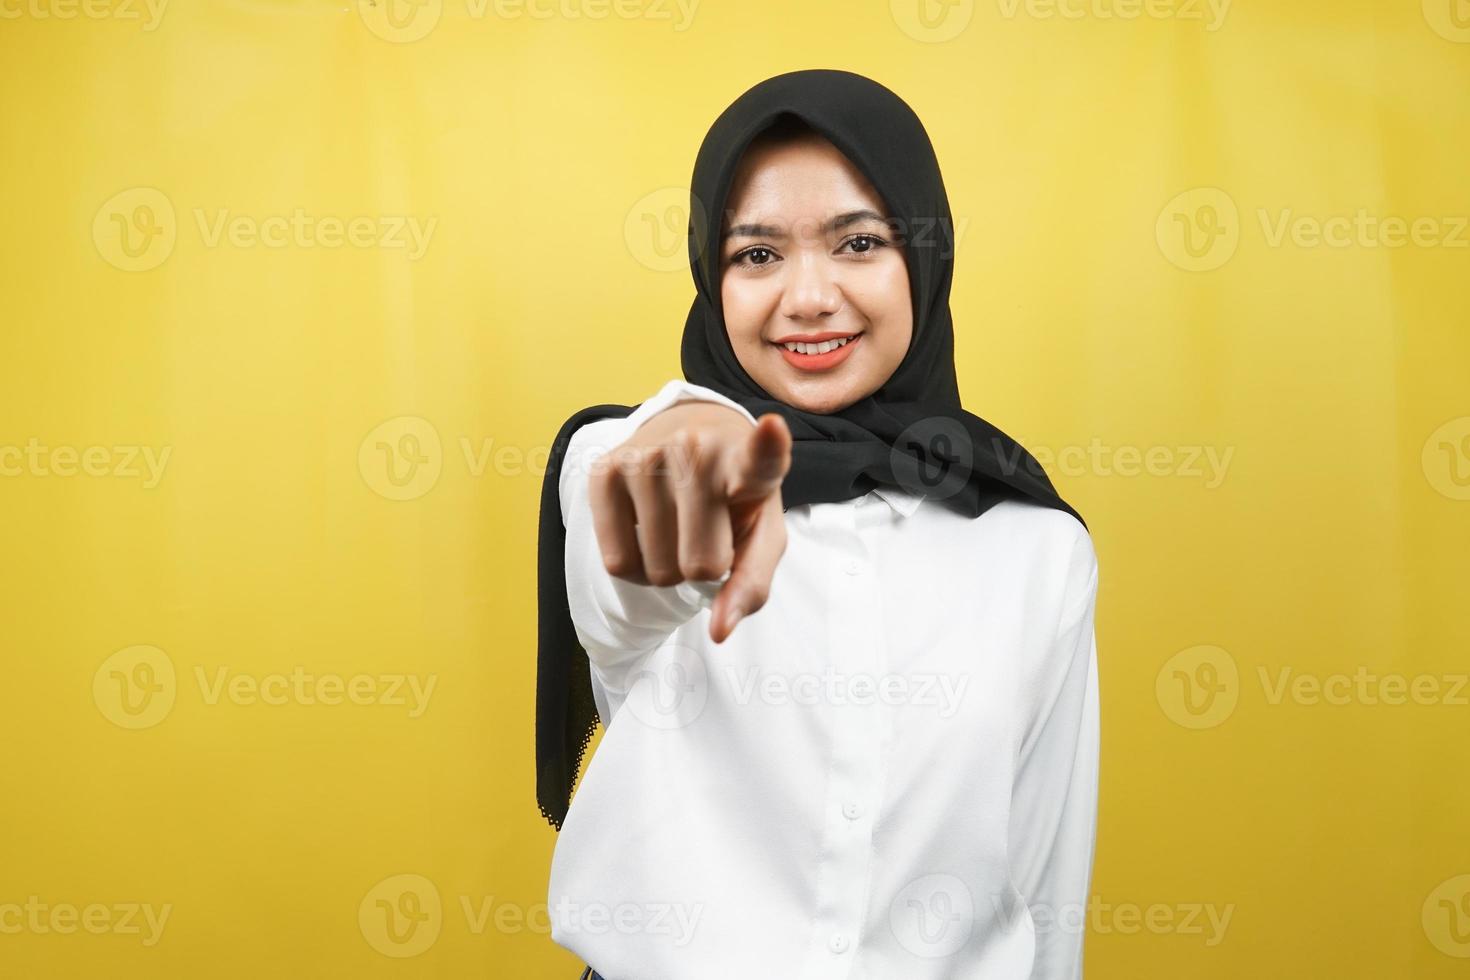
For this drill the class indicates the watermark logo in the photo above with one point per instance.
(37, 459)
(1446, 917)
(671, 689)
(65, 918)
(676, 921)
(1210, 12)
(1446, 458)
(933, 458)
(400, 21)
(1199, 229)
(406, 21)
(941, 692)
(401, 915)
(150, 12)
(1363, 687)
(401, 458)
(136, 229)
(1198, 687)
(1450, 19)
(932, 916)
(302, 230)
(1208, 464)
(135, 687)
(1362, 229)
(404, 915)
(1208, 920)
(299, 687)
(656, 228)
(932, 21)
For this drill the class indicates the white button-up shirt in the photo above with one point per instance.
(889, 772)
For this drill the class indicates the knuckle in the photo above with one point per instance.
(620, 564)
(701, 569)
(759, 595)
(636, 460)
(664, 576)
(651, 459)
(626, 461)
(688, 451)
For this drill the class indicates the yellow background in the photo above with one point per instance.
(544, 148)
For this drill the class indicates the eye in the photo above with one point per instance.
(748, 257)
(868, 243)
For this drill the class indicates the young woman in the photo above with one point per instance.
(839, 628)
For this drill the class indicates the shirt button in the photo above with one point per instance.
(838, 943)
(851, 811)
(853, 567)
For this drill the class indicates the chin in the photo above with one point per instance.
(820, 402)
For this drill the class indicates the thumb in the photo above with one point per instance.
(759, 464)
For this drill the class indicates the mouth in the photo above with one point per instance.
(819, 352)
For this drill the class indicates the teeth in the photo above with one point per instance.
(821, 348)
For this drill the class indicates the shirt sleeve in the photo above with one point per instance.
(1053, 822)
(620, 623)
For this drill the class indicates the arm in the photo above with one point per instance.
(620, 622)
(1053, 821)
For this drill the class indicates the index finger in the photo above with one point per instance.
(754, 566)
(759, 464)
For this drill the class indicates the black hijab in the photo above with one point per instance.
(910, 433)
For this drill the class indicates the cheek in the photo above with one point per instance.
(883, 299)
(745, 307)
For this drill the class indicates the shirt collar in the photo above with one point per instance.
(902, 501)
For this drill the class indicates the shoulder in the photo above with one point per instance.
(590, 440)
(1050, 544)
(1069, 555)
(587, 444)
(597, 434)
(1044, 531)
(1061, 576)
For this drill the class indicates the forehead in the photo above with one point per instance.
(803, 177)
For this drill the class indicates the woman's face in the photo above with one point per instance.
(807, 256)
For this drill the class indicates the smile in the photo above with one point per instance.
(822, 355)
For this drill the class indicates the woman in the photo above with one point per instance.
(840, 629)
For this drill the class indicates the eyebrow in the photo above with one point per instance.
(771, 231)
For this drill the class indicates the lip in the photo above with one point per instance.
(818, 362)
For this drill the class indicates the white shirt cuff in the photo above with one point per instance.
(676, 392)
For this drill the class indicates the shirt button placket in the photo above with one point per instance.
(854, 632)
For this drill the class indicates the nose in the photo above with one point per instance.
(811, 289)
